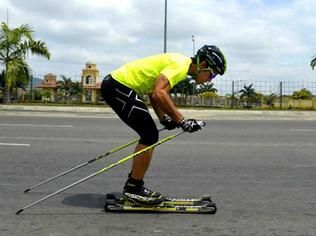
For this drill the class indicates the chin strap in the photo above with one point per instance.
(197, 66)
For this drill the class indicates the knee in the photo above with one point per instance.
(150, 137)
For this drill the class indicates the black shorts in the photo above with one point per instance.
(130, 108)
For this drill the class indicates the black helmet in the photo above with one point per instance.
(213, 57)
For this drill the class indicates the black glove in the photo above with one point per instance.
(190, 125)
(168, 123)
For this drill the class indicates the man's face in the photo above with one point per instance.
(204, 75)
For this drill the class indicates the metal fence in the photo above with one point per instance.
(284, 88)
(225, 87)
(228, 92)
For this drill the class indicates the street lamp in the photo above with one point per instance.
(165, 29)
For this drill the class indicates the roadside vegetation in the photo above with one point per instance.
(15, 45)
(16, 76)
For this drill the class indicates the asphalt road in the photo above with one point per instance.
(261, 174)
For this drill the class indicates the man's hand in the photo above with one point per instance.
(168, 123)
(190, 125)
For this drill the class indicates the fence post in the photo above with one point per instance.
(281, 95)
(233, 95)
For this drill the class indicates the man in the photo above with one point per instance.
(155, 76)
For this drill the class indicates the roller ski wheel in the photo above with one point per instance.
(116, 202)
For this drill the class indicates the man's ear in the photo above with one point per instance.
(203, 64)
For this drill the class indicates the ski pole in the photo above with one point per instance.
(101, 170)
(85, 163)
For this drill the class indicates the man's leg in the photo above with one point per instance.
(134, 112)
(134, 187)
(141, 162)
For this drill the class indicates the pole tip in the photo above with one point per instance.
(19, 211)
(27, 190)
(201, 123)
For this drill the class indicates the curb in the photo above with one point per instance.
(207, 114)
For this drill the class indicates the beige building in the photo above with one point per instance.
(90, 83)
(49, 84)
(89, 80)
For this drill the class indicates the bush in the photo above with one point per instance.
(209, 94)
(302, 94)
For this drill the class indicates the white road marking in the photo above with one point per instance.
(15, 144)
(304, 130)
(31, 125)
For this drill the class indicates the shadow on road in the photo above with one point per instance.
(85, 200)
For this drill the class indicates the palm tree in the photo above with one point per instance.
(65, 87)
(185, 87)
(77, 90)
(248, 94)
(313, 62)
(47, 95)
(15, 44)
(207, 87)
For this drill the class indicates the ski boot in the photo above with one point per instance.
(135, 193)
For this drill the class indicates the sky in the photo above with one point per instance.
(261, 39)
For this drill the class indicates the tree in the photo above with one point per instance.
(65, 87)
(46, 95)
(207, 87)
(248, 94)
(302, 94)
(15, 44)
(2, 80)
(77, 90)
(186, 87)
(313, 62)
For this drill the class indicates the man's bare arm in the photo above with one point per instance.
(162, 102)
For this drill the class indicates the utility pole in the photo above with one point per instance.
(31, 90)
(233, 95)
(7, 17)
(193, 42)
(165, 29)
(281, 95)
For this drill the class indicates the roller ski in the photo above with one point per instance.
(118, 202)
(136, 197)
